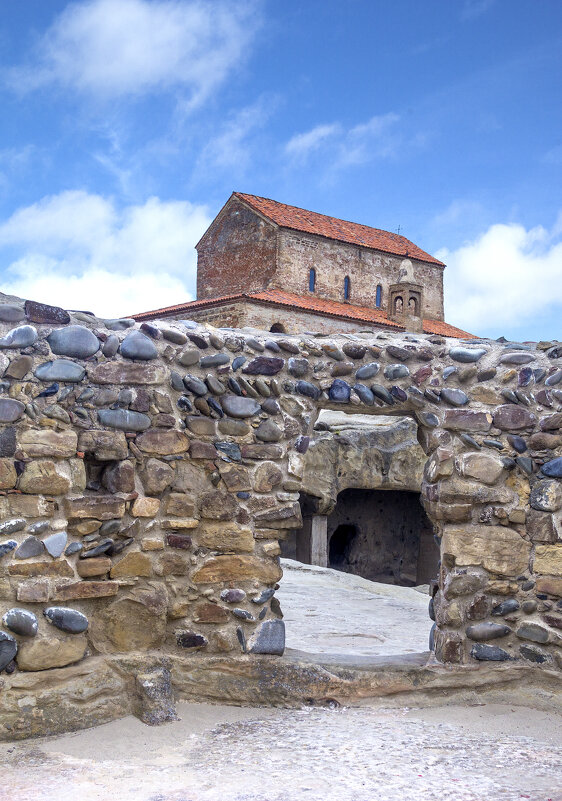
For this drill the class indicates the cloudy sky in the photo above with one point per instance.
(126, 124)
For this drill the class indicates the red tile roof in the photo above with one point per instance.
(311, 222)
(326, 308)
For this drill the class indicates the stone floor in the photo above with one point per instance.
(479, 753)
(330, 612)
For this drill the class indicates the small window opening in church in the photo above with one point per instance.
(277, 328)
(378, 299)
(312, 279)
(346, 287)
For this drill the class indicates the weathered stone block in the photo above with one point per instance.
(104, 445)
(46, 476)
(542, 526)
(484, 467)
(498, 549)
(226, 537)
(163, 443)
(156, 476)
(119, 477)
(97, 566)
(38, 443)
(8, 475)
(510, 417)
(100, 507)
(135, 563)
(145, 507)
(43, 653)
(58, 568)
(210, 613)
(116, 372)
(33, 592)
(134, 622)
(550, 585)
(548, 560)
(267, 476)
(84, 590)
(217, 505)
(178, 504)
(236, 478)
(465, 420)
(237, 568)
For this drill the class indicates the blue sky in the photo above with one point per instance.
(126, 124)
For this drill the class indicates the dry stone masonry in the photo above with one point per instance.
(147, 474)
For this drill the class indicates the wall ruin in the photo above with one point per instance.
(147, 473)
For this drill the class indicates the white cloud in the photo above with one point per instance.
(120, 47)
(232, 148)
(505, 277)
(302, 144)
(77, 250)
(340, 147)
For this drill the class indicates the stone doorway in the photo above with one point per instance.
(383, 536)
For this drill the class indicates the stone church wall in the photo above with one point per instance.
(333, 261)
(147, 473)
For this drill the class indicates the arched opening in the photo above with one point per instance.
(398, 305)
(340, 544)
(413, 306)
(312, 280)
(346, 287)
(278, 328)
(378, 298)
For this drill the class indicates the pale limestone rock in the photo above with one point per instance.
(39, 443)
(226, 537)
(496, 548)
(46, 476)
(42, 653)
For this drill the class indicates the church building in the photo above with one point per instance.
(264, 264)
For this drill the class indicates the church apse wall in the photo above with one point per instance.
(148, 472)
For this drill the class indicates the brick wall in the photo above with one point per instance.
(237, 254)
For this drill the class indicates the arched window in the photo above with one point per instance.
(312, 279)
(277, 328)
(378, 299)
(346, 287)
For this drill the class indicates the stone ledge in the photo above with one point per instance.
(103, 688)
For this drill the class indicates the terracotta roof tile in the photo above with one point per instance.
(329, 308)
(311, 222)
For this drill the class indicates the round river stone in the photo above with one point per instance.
(66, 619)
(21, 621)
(75, 340)
(239, 407)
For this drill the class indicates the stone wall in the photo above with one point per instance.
(238, 253)
(333, 261)
(148, 471)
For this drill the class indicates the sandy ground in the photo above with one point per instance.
(482, 753)
(330, 612)
(220, 753)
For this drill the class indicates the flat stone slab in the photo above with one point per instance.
(330, 612)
